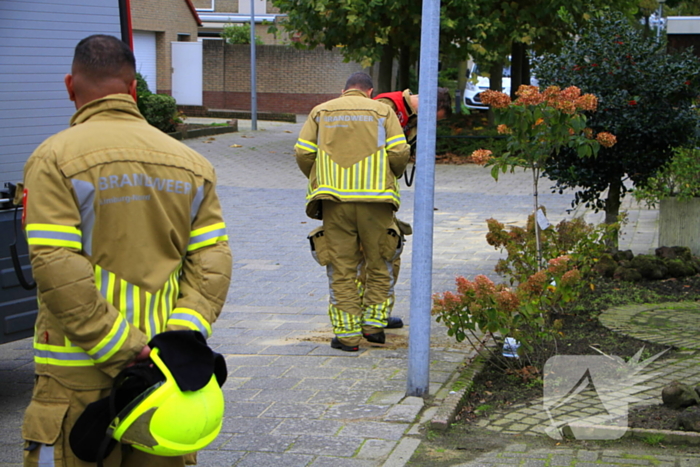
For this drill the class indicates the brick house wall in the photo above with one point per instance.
(288, 80)
(167, 18)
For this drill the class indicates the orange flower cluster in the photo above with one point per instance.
(495, 99)
(503, 129)
(535, 284)
(587, 102)
(571, 277)
(481, 156)
(606, 139)
(558, 264)
(568, 100)
(507, 300)
(529, 95)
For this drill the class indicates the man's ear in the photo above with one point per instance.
(132, 90)
(370, 92)
(68, 80)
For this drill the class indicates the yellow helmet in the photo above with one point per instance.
(166, 421)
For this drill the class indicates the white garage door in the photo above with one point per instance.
(145, 53)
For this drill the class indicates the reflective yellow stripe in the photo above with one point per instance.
(364, 180)
(344, 324)
(191, 319)
(394, 140)
(54, 235)
(206, 236)
(112, 342)
(306, 145)
(59, 355)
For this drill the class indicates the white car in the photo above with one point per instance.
(473, 90)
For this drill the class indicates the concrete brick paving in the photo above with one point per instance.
(291, 399)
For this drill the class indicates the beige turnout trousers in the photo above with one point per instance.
(357, 234)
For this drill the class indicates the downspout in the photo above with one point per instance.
(125, 22)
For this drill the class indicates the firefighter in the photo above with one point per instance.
(352, 149)
(405, 104)
(126, 239)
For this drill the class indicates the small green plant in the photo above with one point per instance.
(679, 178)
(484, 408)
(654, 440)
(238, 34)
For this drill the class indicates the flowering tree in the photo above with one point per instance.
(537, 126)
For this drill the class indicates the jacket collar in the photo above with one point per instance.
(118, 102)
(355, 92)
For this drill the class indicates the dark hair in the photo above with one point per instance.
(102, 56)
(444, 101)
(359, 80)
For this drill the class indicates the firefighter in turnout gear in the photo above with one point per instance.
(405, 105)
(352, 149)
(127, 240)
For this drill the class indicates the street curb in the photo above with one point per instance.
(402, 453)
(199, 132)
(454, 400)
(617, 432)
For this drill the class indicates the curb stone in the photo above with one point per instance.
(669, 436)
(454, 400)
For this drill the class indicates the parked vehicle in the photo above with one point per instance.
(39, 37)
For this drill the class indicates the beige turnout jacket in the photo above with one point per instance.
(352, 149)
(126, 239)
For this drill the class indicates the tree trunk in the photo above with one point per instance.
(612, 208)
(461, 84)
(495, 84)
(517, 55)
(404, 68)
(386, 66)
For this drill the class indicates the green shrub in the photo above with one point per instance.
(527, 309)
(160, 110)
(238, 34)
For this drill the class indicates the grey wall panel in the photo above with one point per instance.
(37, 39)
(33, 102)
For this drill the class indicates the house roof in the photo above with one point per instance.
(194, 12)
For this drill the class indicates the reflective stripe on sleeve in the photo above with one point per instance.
(306, 145)
(190, 319)
(111, 342)
(394, 140)
(54, 235)
(59, 355)
(207, 236)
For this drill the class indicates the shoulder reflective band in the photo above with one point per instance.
(394, 140)
(190, 319)
(207, 236)
(54, 235)
(306, 145)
